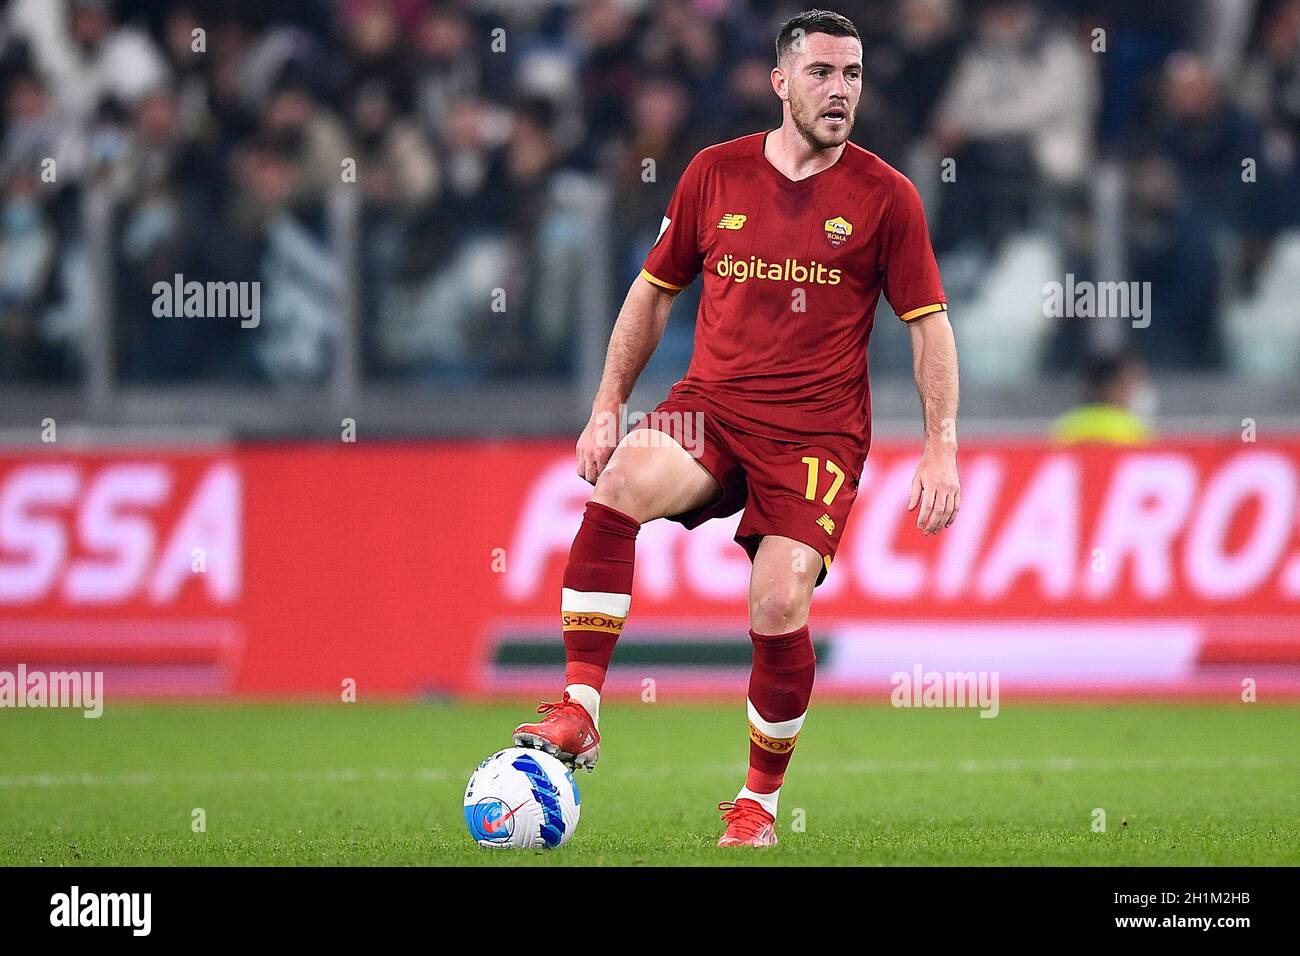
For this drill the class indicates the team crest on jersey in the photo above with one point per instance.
(838, 231)
(732, 220)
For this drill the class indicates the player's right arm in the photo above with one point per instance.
(636, 335)
(674, 261)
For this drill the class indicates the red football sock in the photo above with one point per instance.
(780, 686)
(597, 592)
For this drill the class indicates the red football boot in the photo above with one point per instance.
(566, 732)
(748, 824)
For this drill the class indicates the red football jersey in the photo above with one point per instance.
(792, 274)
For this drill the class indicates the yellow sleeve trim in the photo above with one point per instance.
(923, 310)
(661, 283)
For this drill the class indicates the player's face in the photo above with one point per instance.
(822, 81)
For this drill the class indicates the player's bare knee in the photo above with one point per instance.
(779, 609)
(616, 490)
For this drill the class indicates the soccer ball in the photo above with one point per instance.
(521, 798)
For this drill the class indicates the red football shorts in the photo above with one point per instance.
(796, 490)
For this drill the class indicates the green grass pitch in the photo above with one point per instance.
(382, 784)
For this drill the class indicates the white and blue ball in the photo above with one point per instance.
(523, 799)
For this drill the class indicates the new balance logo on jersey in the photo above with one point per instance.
(827, 523)
(732, 220)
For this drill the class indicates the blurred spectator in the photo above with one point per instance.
(748, 103)
(1171, 245)
(1017, 114)
(190, 63)
(39, 156)
(1119, 402)
(1139, 38)
(928, 49)
(444, 64)
(295, 115)
(275, 232)
(157, 216)
(1271, 88)
(437, 295)
(909, 52)
(33, 132)
(87, 56)
(373, 32)
(1169, 241)
(681, 42)
(610, 70)
(658, 147)
(401, 173)
(27, 267)
(1207, 137)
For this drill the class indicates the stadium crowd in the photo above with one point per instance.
(484, 133)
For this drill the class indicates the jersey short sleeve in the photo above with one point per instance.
(911, 274)
(676, 258)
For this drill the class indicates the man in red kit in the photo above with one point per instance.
(797, 232)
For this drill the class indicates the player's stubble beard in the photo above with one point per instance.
(805, 121)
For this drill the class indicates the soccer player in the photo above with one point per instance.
(797, 232)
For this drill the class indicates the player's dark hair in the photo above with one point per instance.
(813, 21)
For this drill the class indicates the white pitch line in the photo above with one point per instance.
(225, 777)
(850, 767)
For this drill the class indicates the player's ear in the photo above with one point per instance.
(779, 82)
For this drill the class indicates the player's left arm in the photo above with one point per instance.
(914, 289)
(935, 488)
